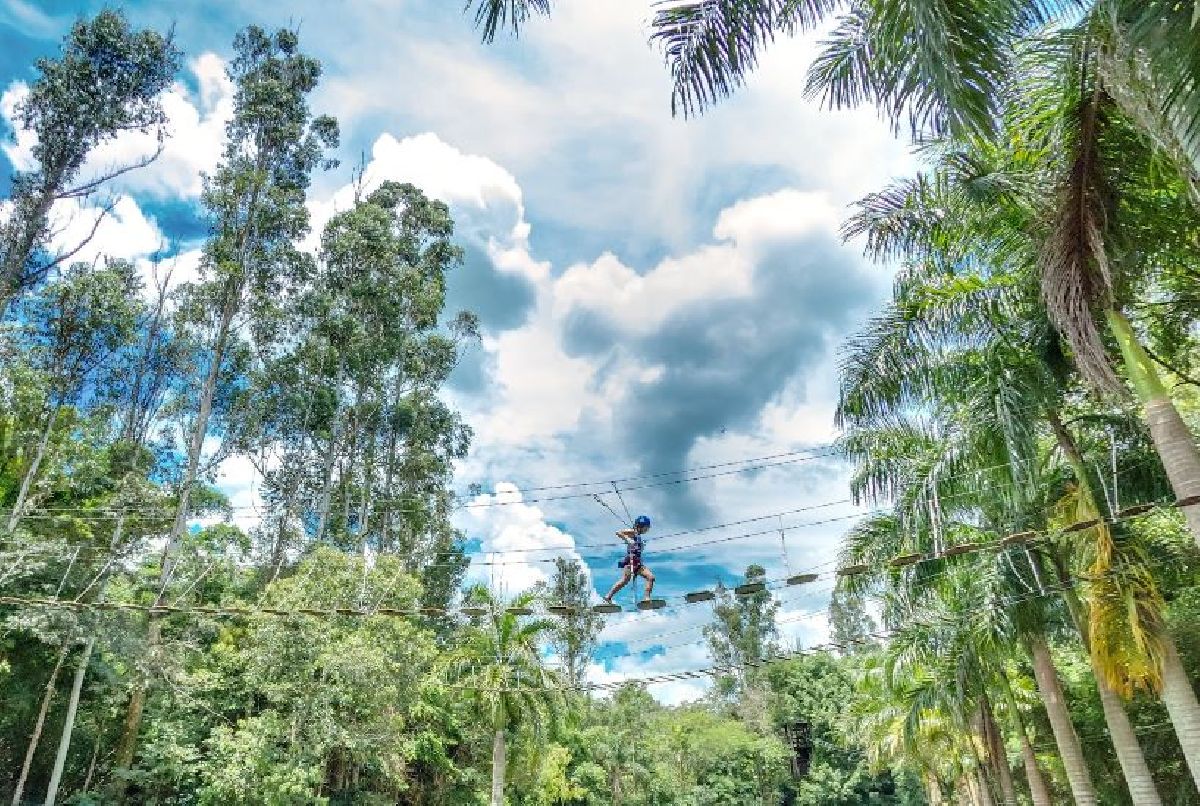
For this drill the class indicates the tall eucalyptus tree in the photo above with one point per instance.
(106, 81)
(256, 203)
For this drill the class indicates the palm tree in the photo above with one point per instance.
(949, 69)
(972, 213)
(906, 712)
(499, 664)
(942, 65)
(942, 349)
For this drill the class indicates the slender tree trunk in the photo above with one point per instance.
(997, 752)
(981, 785)
(1180, 699)
(1142, 789)
(64, 743)
(17, 257)
(199, 432)
(327, 486)
(1174, 442)
(127, 745)
(1069, 748)
(18, 509)
(47, 698)
(130, 431)
(933, 790)
(498, 766)
(68, 729)
(137, 699)
(1038, 790)
(91, 770)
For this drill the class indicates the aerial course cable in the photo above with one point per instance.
(803, 577)
(687, 674)
(696, 474)
(112, 513)
(786, 655)
(44, 551)
(1005, 543)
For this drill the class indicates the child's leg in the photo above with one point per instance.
(622, 582)
(646, 574)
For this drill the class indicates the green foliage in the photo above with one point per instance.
(575, 632)
(106, 81)
(963, 412)
(743, 631)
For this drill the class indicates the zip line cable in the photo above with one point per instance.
(771, 457)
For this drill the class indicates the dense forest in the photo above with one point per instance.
(1014, 621)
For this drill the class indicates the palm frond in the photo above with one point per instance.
(904, 220)
(936, 63)
(710, 46)
(1162, 35)
(1124, 604)
(493, 15)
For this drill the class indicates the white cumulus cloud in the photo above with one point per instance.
(194, 134)
(517, 546)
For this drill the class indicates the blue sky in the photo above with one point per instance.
(655, 293)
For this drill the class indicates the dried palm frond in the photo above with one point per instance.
(1076, 278)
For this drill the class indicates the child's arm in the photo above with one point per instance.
(626, 535)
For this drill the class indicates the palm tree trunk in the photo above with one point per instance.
(981, 778)
(981, 783)
(1173, 440)
(64, 742)
(933, 790)
(968, 789)
(47, 698)
(1129, 753)
(1180, 699)
(498, 764)
(1142, 790)
(1065, 737)
(1038, 791)
(997, 752)
(1125, 743)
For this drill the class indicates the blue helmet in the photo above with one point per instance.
(642, 521)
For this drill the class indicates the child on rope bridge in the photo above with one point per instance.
(634, 545)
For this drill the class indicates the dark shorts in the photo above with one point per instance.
(634, 561)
